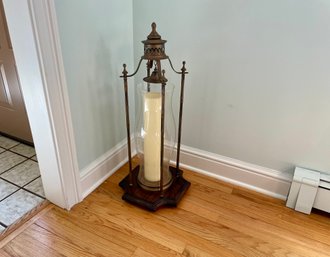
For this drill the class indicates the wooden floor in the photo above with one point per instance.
(213, 219)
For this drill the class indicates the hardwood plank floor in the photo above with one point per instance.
(213, 219)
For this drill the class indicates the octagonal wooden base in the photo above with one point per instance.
(151, 200)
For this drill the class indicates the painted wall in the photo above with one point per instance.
(258, 87)
(96, 39)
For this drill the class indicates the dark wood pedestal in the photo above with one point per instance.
(151, 200)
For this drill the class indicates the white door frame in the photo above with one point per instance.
(34, 35)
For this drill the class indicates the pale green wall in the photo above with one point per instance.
(96, 39)
(258, 88)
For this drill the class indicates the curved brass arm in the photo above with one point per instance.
(137, 69)
(178, 72)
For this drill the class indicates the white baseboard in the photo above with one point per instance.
(261, 179)
(264, 180)
(99, 170)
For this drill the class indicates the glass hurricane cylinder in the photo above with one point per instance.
(148, 135)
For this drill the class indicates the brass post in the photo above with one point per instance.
(183, 73)
(128, 126)
(162, 141)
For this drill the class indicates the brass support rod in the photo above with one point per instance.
(162, 142)
(128, 125)
(183, 73)
(149, 66)
(162, 132)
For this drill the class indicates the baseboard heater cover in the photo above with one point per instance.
(309, 189)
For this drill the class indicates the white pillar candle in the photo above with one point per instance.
(152, 137)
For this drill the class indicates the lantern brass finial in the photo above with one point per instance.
(154, 34)
(124, 70)
(183, 69)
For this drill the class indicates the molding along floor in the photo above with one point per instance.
(260, 179)
(103, 167)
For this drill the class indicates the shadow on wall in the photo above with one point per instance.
(105, 95)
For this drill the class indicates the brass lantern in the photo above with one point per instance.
(154, 183)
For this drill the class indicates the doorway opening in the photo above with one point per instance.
(21, 190)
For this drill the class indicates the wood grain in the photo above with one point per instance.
(26, 219)
(213, 219)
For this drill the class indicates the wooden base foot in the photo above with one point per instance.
(152, 200)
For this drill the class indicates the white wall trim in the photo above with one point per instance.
(103, 167)
(261, 179)
(33, 30)
(63, 123)
(257, 178)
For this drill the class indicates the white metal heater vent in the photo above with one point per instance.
(309, 189)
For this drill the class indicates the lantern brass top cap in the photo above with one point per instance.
(154, 46)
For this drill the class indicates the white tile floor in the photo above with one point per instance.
(20, 182)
